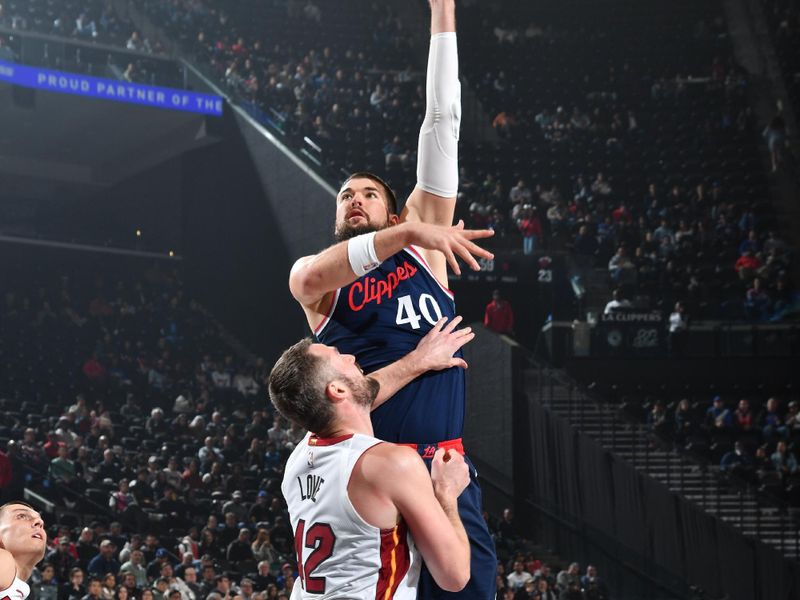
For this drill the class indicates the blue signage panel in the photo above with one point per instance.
(110, 89)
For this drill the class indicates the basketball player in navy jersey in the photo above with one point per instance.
(23, 542)
(377, 292)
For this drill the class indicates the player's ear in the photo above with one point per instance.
(394, 219)
(336, 391)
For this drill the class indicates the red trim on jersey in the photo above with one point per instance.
(427, 267)
(329, 314)
(318, 441)
(395, 560)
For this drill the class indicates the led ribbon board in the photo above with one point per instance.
(110, 89)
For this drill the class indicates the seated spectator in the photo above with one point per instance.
(73, 588)
(770, 421)
(239, 549)
(530, 226)
(757, 301)
(95, 589)
(743, 416)
(569, 576)
(718, 416)
(518, 577)
(784, 461)
(594, 588)
(746, 266)
(617, 302)
(620, 267)
(104, 562)
(737, 460)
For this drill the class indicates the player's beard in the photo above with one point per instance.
(364, 390)
(344, 231)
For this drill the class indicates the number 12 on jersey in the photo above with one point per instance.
(321, 539)
(407, 314)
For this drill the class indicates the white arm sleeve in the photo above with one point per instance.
(437, 153)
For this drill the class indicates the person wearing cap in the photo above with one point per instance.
(259, 511)
(154, 568)
(235, 506)
(239, 549)
(160, 588)
(105, 561)
(86, 547)
(61, 558)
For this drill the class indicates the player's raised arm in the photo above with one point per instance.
(314, 277)
(434, 197)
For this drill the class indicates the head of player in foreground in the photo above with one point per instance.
(322, 390)
(23, 542)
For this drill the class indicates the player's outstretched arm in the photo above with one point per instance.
(433, 353)
(395, 477)
(433, 199)
(314, 277)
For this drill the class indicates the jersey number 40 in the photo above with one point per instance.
(407, 314)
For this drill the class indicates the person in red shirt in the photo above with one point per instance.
(747, 265)
(498, 316)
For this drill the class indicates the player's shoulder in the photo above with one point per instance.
(8, 569)
(388, 462)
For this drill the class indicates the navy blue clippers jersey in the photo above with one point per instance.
(380, 318)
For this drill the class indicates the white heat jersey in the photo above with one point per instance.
(18, 590)
(339, 555)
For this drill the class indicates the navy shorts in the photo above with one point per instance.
(483, 559)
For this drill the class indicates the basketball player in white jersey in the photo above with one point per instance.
(23, 542)
(362, 510)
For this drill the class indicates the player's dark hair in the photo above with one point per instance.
(297, 388)
(15, 503)
(391, 199)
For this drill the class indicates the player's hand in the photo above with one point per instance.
(449, 474)
(452, 242)
(435, 351)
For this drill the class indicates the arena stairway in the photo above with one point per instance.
(735, 504)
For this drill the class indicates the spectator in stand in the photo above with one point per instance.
(135, 566)
(544, 591)
(718, 416)
(62, 560)
(239, 549)
(678, 325)
(518, 577)
(743, 416)
(617, 303)
(594, 588)
(757, 301)
(770, 422)
(570, 575)
(784, 461)
(104, 562)
(737, 460)
(747, 266)
(62, 469)
(47, 587)
(73, 588)
(685, 425)
(530, 226)
(498, 316)
(620, 267)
